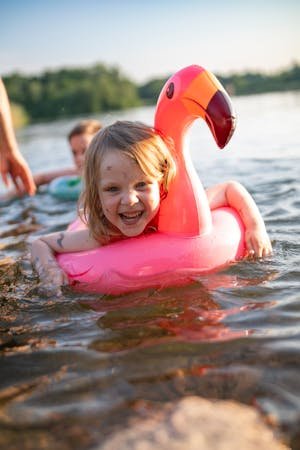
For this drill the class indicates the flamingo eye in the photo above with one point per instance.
(170, 90)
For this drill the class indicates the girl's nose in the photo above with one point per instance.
(129, 198)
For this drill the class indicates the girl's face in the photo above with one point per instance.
(79, 144)
(129, 198)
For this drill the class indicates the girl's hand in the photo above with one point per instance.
(52, 278)
(49, 272)
(257, 241)
(233, 194)
(43, 252)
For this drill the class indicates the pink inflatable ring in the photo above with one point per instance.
(190, 239)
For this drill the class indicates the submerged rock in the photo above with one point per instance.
(194, 423)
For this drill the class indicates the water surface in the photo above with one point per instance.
(73, 369)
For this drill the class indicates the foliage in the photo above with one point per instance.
(149, 92)
(236, 84)
(257, 83)
(19, 115)
(69, 92)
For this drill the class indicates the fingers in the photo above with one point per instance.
(23, 181)
(258, 249)
(65, 280)
(52, 279)
(4, 170)
(4, 178)
(16, 167)
(52, 286)
(267, 251)
(27, 180)
(17, 183)
(50, 290)
(250, 254)
(59, 279)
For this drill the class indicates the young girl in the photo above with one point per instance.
(127, 171)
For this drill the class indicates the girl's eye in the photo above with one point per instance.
(111, 189)
(141, 184)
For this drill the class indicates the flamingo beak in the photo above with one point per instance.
(220, 117)
(205, 97)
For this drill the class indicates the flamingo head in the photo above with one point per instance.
(193, 93)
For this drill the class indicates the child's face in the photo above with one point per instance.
(79, 144)
(130, 199)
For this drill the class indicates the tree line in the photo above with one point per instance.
(238, 84)
(69, 92)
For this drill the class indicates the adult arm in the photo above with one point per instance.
(12, 162)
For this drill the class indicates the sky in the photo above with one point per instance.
(149, 39)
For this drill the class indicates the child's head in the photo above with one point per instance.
(128, 169)
(79, 139)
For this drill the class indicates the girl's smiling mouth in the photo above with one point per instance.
(131, 217)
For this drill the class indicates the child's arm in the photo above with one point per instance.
(233, 194)
(39, 180)
(43, 252)
(46, 177)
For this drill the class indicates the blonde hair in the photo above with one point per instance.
(139, 142)
(89, 126)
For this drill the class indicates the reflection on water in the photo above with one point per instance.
(73, 369)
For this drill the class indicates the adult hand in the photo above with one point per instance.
(15, 166)
(12, 162)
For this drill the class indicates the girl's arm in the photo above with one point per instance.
(43, 252)
(233, 194)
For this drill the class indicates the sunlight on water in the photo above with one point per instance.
(73, 368)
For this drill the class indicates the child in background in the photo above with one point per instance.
(127, 171)
(79, 139)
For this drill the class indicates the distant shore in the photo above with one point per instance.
(69, 92)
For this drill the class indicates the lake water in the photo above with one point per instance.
(73, 369)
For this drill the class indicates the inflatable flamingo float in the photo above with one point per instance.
(190, 239)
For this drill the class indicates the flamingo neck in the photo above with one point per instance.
(185, 210)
